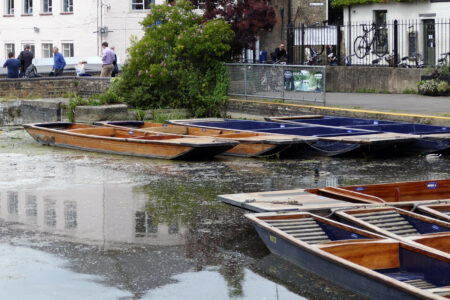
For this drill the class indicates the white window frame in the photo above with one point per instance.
(67, 6)
(9, 7)
(10, 47)
(142, 3)
(47, 50)
(68, 49)
(49, 4)
(27, 7)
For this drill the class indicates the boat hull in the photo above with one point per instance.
(121, 146)
(331, 270)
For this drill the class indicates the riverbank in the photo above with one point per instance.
(406, 108)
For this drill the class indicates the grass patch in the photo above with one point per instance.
(410, 91)
(371, 91)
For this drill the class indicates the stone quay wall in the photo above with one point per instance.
(52, 87)
(378, 79)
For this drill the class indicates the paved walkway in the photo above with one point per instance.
(413, 104)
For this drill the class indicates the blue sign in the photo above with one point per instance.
(360, 188)
(432, 185)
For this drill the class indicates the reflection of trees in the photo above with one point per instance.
(212, 226)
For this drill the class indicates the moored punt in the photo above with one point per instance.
(378, 268)
(292, 200)
(126, 142)
(251, 144)
(332, 141)
(428, 138)
(439, 211)
(400, 194)
(399, 224)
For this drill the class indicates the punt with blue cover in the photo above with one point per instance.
(329, 148)
(374, 267)
(430, 138)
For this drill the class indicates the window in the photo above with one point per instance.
(141, 4)
(47, 50)
(67, 49)
(70, 214)
(67, 6)
(47, 6)
(32, 48)
(27, 7)
(381, 43)
(145, 224)
(9, 48)
(50, 212)
(9, 9)
(13, 202)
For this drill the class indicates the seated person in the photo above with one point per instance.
(331, 55)
(13, 66)
(280, 54)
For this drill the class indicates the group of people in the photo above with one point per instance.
(22, 66)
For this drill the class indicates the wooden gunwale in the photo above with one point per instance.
(353, 267)
(436, 210)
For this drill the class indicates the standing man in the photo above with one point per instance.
(59, 63)
(107, 60)
(25, 58)
(13, 66)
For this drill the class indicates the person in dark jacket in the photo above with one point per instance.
(280, 54)
(13, 66)
(116, 67)
(26, 58)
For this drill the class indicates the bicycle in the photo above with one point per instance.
(442, 62)
(417, 59)
(362, 45)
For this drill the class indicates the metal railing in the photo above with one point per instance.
(404, 43)
(296, 83)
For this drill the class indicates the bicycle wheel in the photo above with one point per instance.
(360, 47)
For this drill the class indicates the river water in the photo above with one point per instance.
(80, 225)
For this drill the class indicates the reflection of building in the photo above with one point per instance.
(103, 212)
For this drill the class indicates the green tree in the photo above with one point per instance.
(179, 62)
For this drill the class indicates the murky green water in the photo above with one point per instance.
(84, 225)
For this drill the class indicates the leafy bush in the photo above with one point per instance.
(178, 63)
(428, 87)
(442, 87)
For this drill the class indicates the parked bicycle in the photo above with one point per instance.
(313, 57)
(417, 62)
(363, 43)
(443, 61)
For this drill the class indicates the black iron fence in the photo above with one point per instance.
(396, 43)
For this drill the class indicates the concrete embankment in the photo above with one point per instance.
(254, 109)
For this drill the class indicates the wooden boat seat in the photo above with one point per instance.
(351, 195)
(389, 220)
(305, 229)
(415, 279)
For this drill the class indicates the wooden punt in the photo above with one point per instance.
(292, 200)
(400, 224)
(251, 144)
(331, 140)
(377, 268)
(126, 142)
(438, 211)
(400, 194)
(427, 138)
